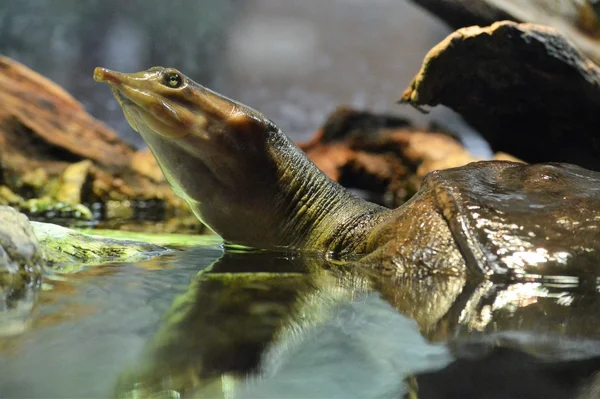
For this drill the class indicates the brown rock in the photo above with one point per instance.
(8, 197)
(524, 87)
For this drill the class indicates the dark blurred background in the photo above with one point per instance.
(293, 60)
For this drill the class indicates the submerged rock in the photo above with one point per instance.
(68, 250)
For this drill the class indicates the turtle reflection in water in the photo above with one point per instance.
(267, 325)
(247, 181)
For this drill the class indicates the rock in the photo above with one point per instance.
(68, 250)
(27, 247)
(47, 207)
(461, 13)
(524, 87)
(21, 266)
(34, 183)
(577, 20)
(20, 254)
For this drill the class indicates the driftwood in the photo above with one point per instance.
(578, 20)
(382, 154)
(524, 87)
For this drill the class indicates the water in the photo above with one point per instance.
(87, 328)
(201, 323)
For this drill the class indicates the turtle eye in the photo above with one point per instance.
(172, 80)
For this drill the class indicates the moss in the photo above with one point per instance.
(68, 250)
(170, 240)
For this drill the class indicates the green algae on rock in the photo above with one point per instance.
(169, 240)
(68, 250)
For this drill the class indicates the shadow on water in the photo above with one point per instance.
(200, 323)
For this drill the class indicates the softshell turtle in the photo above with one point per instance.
(252, 185)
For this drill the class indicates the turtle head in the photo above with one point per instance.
(166, 103)
(213, 150)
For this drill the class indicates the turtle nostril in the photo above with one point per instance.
(106, 75)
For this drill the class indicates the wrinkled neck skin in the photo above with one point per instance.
(322, 215)
(270, 196)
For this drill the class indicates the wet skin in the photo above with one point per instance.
(249, 182)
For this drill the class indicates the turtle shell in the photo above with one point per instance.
(513, 218)
(503, 219)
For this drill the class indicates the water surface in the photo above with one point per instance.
(201, 323)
